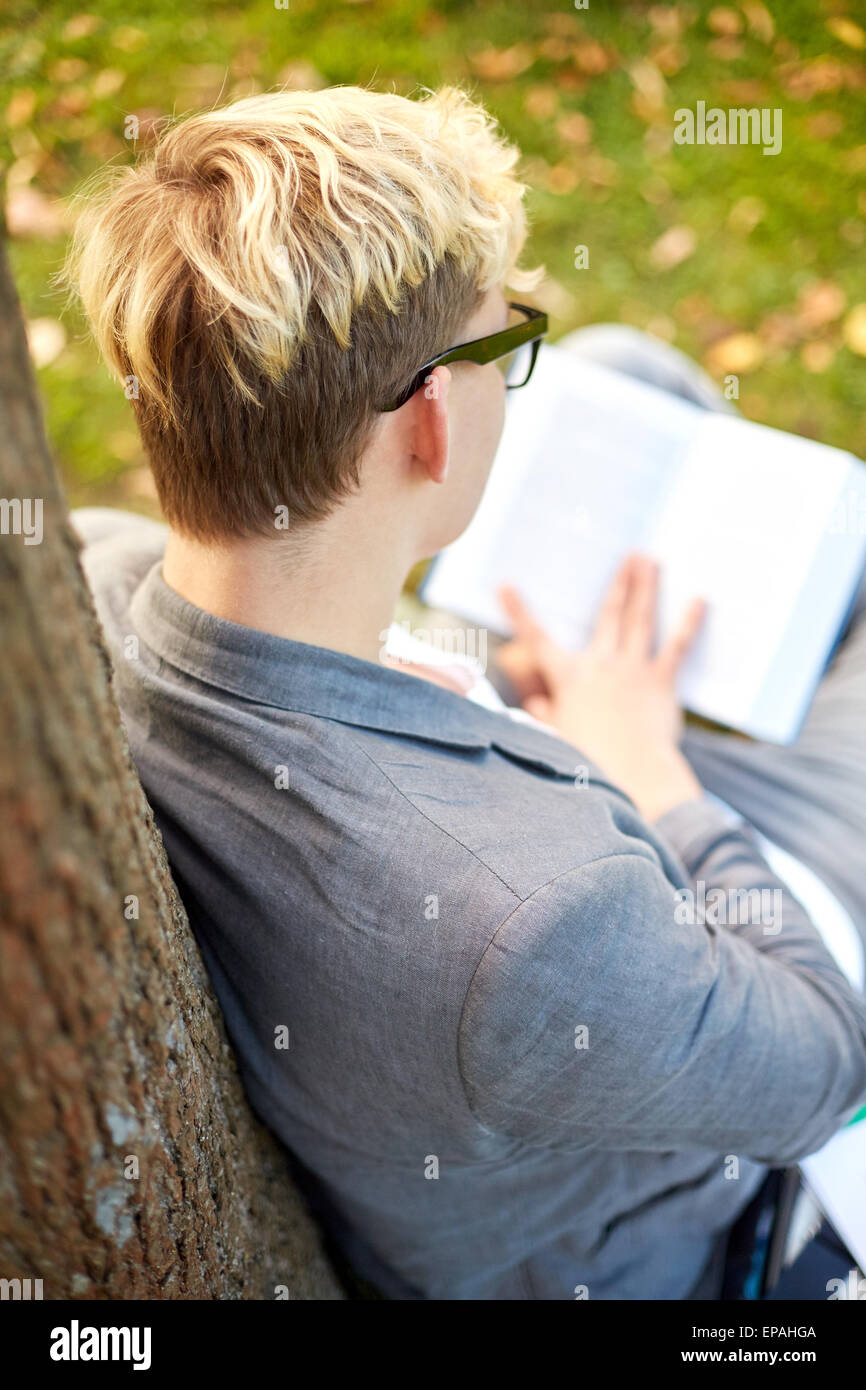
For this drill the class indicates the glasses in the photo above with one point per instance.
(513, 349)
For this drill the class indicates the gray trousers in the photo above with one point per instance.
(809, 797)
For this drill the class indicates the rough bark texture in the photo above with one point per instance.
(112, 1046)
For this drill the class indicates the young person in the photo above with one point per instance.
(453, 971)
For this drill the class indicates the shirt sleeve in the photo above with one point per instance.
(610, 1010)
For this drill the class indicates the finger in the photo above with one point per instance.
(525, 625)
(517, 662)
(548, 656)
(639, 613)
(606, 634)
(539, 707)
(674, 650)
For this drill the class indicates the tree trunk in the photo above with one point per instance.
(130, 1163)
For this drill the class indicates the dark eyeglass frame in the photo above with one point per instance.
(484, 350)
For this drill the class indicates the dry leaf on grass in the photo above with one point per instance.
(847, 31)
(854, 329)
(31, 213)
(498, 64)
(673, 246)
(739, 352)
(820, 303)
(46, 339)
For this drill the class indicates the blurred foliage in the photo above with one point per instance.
(751, 263)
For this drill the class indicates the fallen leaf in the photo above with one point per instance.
(667, 20)
(562, 178)
(591, 58)
(72, 101)
(746, 91)
(724, 21)
(649, 84)
(67, 70)
(30, 212)
(556, 50)
(825, 125)
(673, 246)
(567, 80)
(574, 128)
(24, 169)
(786, 50)
(817, 357)
(847, 31)
(739, 352)
(541, 102)
(854, 330)
(604, 173)
(46, 339)
(301, 76)
(802, 81)
(693, 309)
(745, 214)
(80, 27)
(107, 82)
(669, 58)
(498, 64)
(727, 50)
(660, 326)
(780, 331)
(128, 38)
(760, 21)
(562, 24)
(820, 303)
(21, 107)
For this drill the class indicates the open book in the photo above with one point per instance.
(768, 527)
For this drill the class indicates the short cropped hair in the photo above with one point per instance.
(271, 273)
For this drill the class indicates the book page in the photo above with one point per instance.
(837, 1176)
(594, 463)
(575, 484)
(740, 527)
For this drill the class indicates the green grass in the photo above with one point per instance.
(617, 194)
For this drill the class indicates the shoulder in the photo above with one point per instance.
(577, 984)
(118, 550)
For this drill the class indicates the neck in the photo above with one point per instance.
(333, 584)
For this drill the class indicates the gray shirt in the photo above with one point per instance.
(455, 968)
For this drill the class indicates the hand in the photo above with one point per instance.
(617, 699)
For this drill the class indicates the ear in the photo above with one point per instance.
(429, 406)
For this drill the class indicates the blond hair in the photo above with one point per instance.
(274, 271)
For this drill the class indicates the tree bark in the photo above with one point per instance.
(113, 1056)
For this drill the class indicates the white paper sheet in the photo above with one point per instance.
(593, 464)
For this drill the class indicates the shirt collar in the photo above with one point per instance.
(298, 677)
